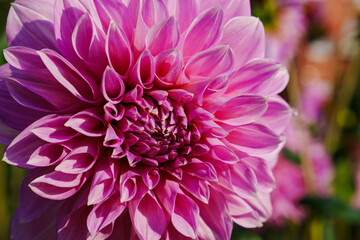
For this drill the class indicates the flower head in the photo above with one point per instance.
(140, 119)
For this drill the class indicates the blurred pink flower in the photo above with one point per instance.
(316, 93)
(282, 41)
(290, 177)
(140, 119)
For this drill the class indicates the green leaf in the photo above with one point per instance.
(331, 208)
(291, 156)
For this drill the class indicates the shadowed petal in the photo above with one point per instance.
(105, 213)
(88, 122)
(76, 83)
(31, 26)
(148, 217)
(89, 44)
(185, 216)
(118, 49)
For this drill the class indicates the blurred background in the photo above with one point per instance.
(318, 172)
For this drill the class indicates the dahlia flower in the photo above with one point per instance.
(140, 119)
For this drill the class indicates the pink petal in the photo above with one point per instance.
(254, 138)
(31, 26)
(47, 155)
(217, 223)
(81, 159)
(23, 146)
(112, 86)
(153, 11)
(243, 180)
(54, 130)
(103, 181)
(203, 170)
(148, 217)
(231, 8)
(246, 37)
(185, 215)
(203, 32)
(115, 11)
(260, 76)
(66, 16)
(277, 115)
(118, 49)
(76, 83)
(162, 36)
(88, 122)
(262, 171)
(128, 185)
(105, 213)
(185, 11)
(168, 67)
(143, 72)
(195, 186)
(150, 177)
(57, 185)
(166, 191)
(210, 63)
(88, 42)
(242, 110)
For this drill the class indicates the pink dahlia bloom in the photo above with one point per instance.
(140, 119)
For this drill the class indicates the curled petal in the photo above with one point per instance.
(162, 36)
(66, 74)
(203, 32)
(210, 63)
(185, 216)
(151, 177)
(168, 67)
(87, 122)
(57, 185)
(47, 155)
(104, 213)
(54, 130)
(143, 72)
(112, 86)
(118, 49)
(88, 42)
(148, 217)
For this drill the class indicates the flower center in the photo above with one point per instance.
(153, 130)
